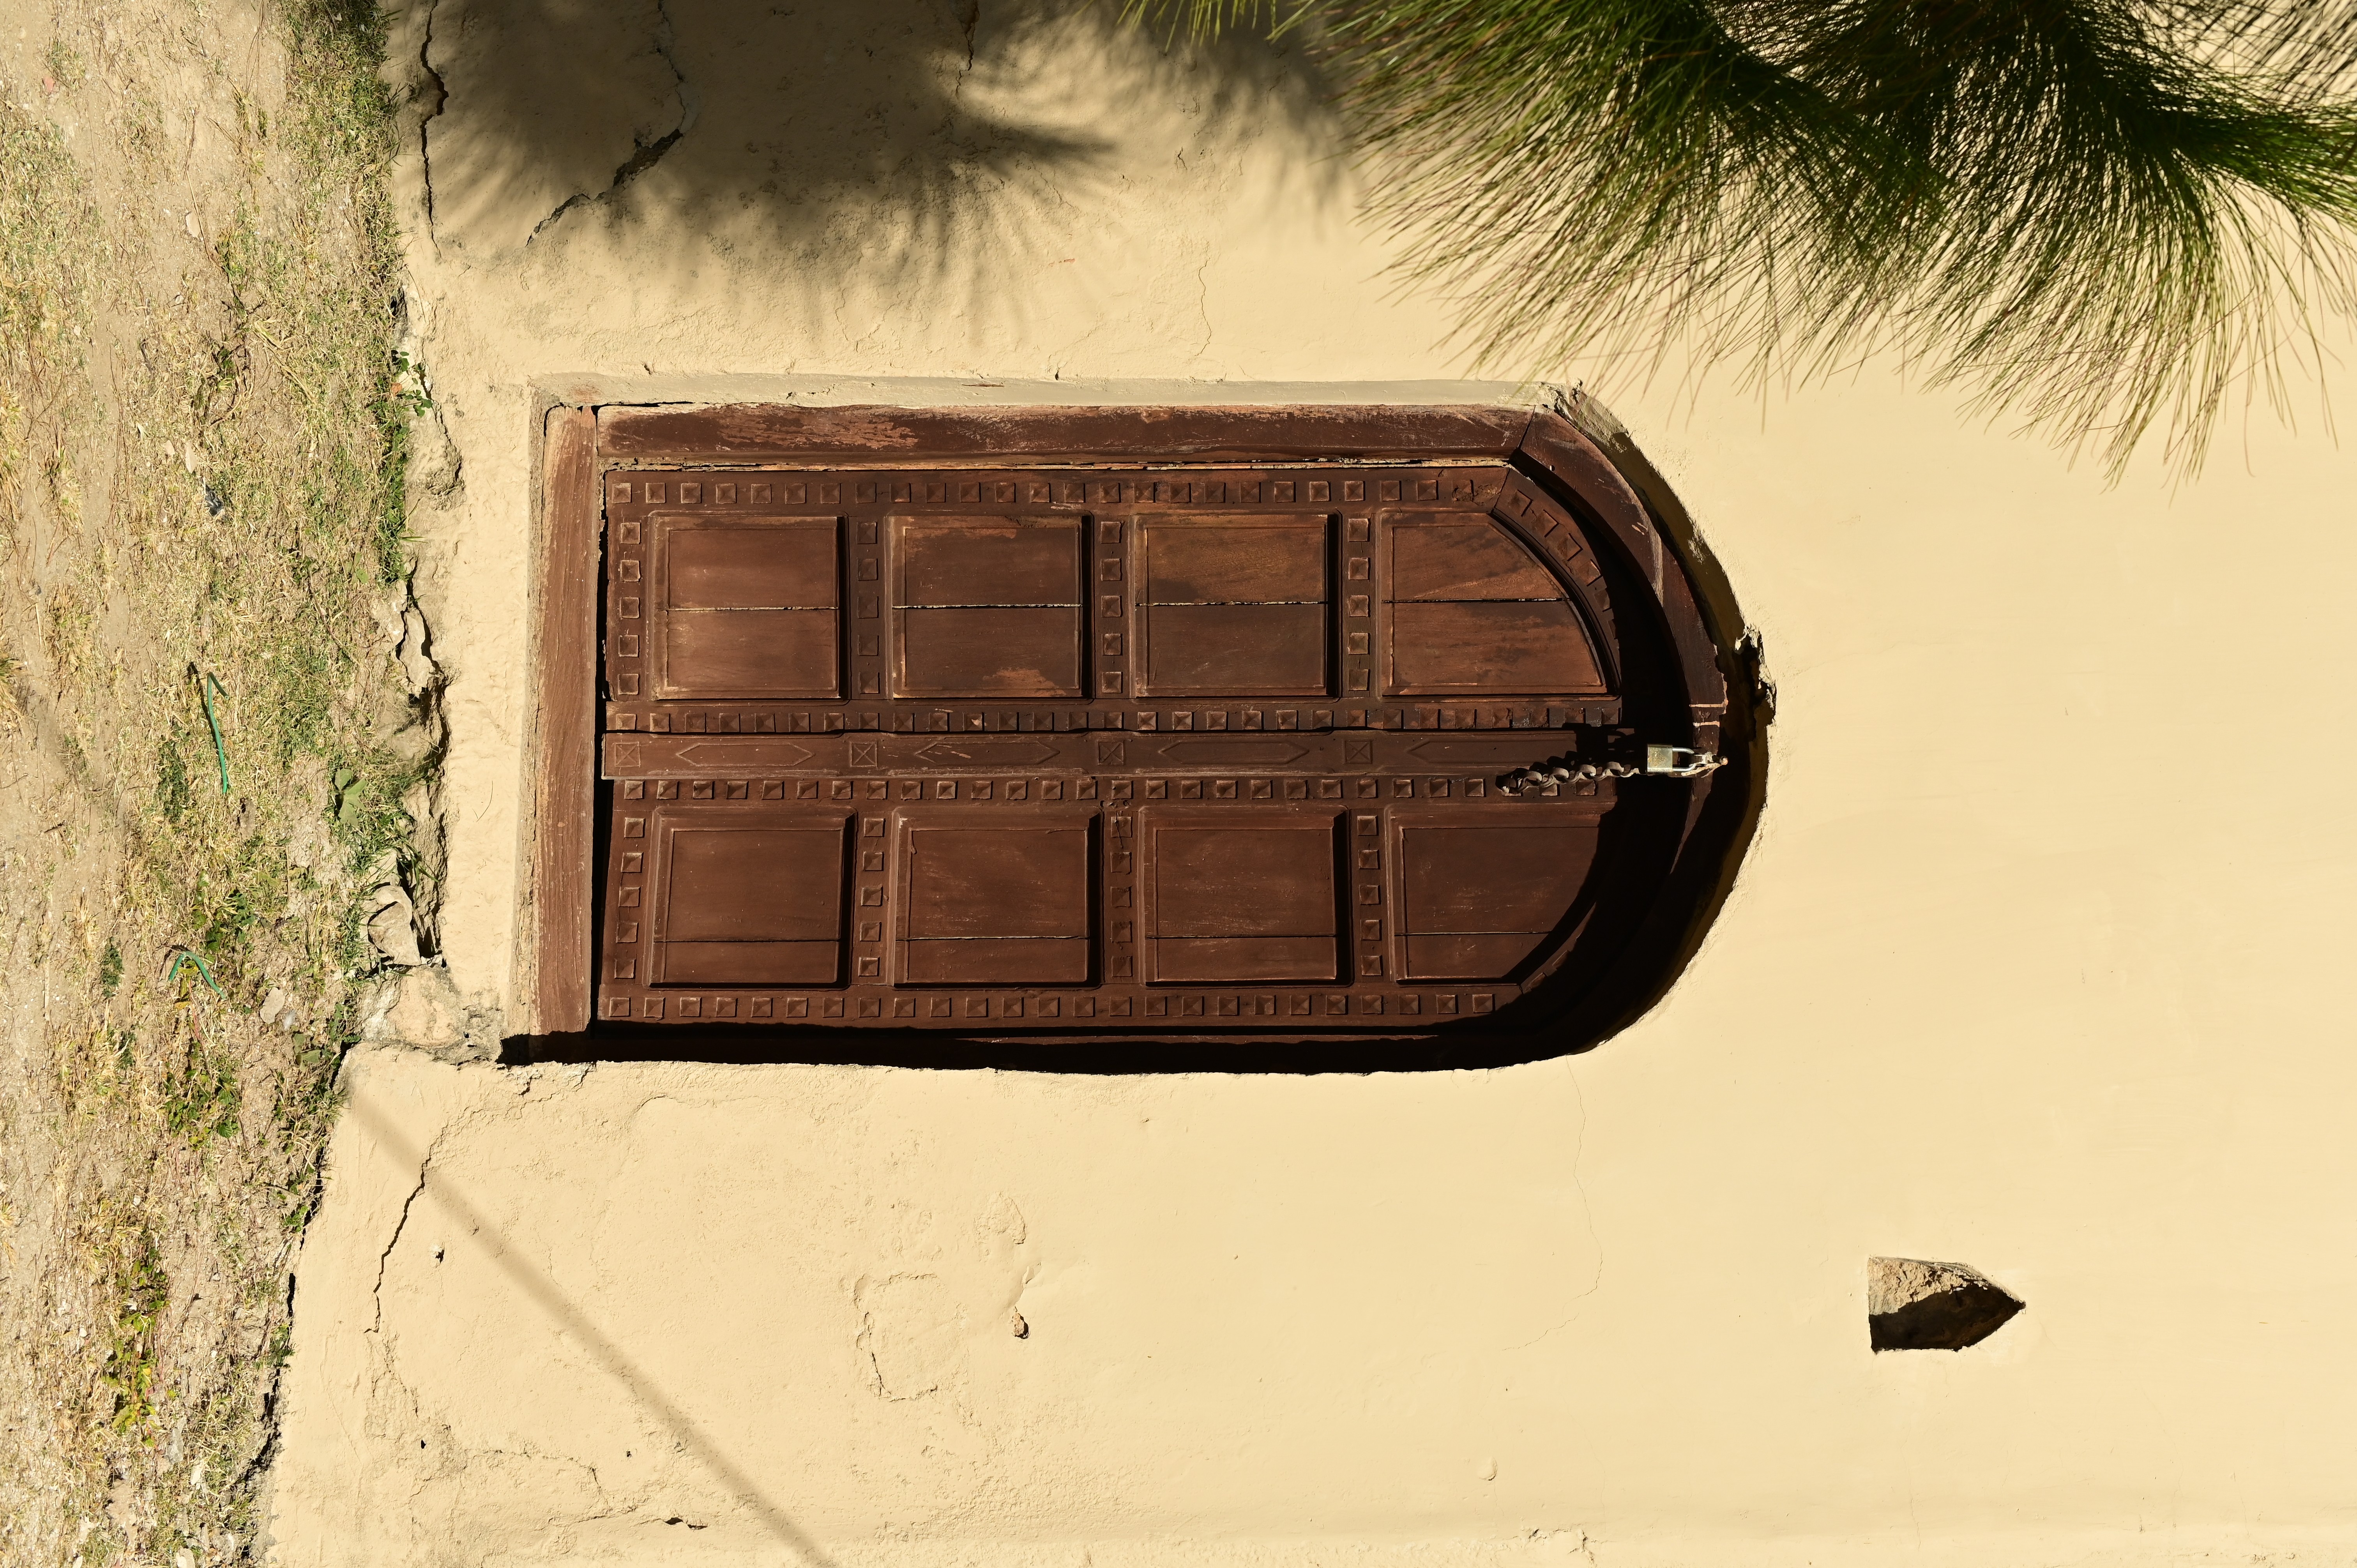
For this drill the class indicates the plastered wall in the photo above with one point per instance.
(2038, 961)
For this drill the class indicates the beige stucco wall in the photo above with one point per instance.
(2039, 961)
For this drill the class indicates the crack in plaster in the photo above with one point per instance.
(607, 1508)
(466, 1122)
(973, 21)
(1588, 1214)
(441, 98)
(1203, 308)
(645, 154)
(892, 1386)
(376, 1291)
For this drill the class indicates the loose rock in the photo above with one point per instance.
(1912, 1304)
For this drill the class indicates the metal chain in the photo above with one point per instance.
(1661, 762)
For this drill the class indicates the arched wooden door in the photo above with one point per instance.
(1282, 749)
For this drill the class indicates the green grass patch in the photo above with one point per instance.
(212, 517)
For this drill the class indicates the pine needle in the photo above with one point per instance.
(2108, 217)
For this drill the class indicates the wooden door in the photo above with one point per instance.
(1104, 750)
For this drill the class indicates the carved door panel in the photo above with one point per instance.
(1100, 749)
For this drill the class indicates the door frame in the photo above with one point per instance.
(581, 442)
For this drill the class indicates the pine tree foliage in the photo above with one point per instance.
(2111, 218)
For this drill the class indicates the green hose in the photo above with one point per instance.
(221, 752)
(204, 971)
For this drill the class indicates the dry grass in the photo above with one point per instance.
(201, 451)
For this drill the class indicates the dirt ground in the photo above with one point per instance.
(218, 731)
